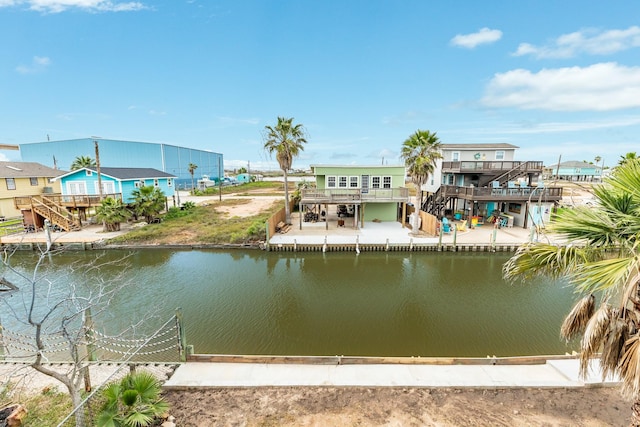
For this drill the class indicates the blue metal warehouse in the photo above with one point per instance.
(167, 158)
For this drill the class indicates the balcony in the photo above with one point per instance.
(503, 194)
(491, 166)
(69, 201)
(352, 196)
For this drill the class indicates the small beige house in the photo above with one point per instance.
(23, 179)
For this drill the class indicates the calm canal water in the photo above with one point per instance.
(372, 304)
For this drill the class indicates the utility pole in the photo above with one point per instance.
(98, 168)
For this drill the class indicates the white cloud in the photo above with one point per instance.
(57, 6)
(38, 63)
(483, 36)
(236, 121)
(590, 41)
(599, 87)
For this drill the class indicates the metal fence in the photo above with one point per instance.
(106, 358)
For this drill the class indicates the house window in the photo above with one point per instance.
(156, 183)
(386, 182)
(169, 182)
(138, 184)
(499, 155)
(33, 181)
(353, 182)
(455, 156)
(11, 183)
(331, 182)
(375, 182)
(342, 182)
(88, 172)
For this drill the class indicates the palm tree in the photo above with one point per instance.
(287, 141)
(134, 401)
(627, 158)
(601, 260)
(597, 159)
(420, 153)
(111, 213)
(192, 168)
(83, 162)
(148, 201)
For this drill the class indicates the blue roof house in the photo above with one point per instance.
(115, 181)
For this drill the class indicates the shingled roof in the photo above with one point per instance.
(27, 170)
(133, 173)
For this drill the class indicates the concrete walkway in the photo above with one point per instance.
(552, 374)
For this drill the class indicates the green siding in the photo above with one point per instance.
(381, 211)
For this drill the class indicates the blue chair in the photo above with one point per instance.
(446, 227)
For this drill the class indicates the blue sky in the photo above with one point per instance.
(554, 78)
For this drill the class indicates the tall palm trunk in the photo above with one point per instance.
(287, 210)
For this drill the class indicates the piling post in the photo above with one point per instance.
(493, 239)
(440, 241)
(357, 245)
(324, 247)
(411, 244)
(182, 339)
(386, 247)
(455, 237)
(295, 245)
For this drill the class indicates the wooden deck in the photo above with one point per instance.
(67, 201)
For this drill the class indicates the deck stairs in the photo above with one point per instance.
(436, 203)
(517, 172)
(56, 214)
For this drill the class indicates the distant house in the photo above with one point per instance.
(119, 182)
(478, 181)
(23, 179)
(367, 193)
(574, 171)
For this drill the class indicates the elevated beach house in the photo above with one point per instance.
(364, 193)
(574, 171)
(115, 182)
(24, 179)
(477, 182)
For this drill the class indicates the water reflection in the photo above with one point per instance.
(374, 303)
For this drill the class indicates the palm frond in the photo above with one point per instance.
(594, 336)
(629, 367)
(576, 321)
(613, 346)
(541, 259)
(604, 274)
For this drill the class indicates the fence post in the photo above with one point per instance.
(88, 348)
(182, 340)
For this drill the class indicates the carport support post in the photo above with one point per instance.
(326, 216)
(301, 214)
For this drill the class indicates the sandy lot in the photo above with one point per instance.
(331, 406)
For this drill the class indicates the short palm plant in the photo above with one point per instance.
(601, 260)
(111, 213)
(135, 401)
(148, 201)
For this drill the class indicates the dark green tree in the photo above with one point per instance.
(286, 140)
(83, 162)
(111, 213)
(420, 153)
(601, 260)
(148, 201)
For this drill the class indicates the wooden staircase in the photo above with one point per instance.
(56, 214)
(436, 203)
(520, 170)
